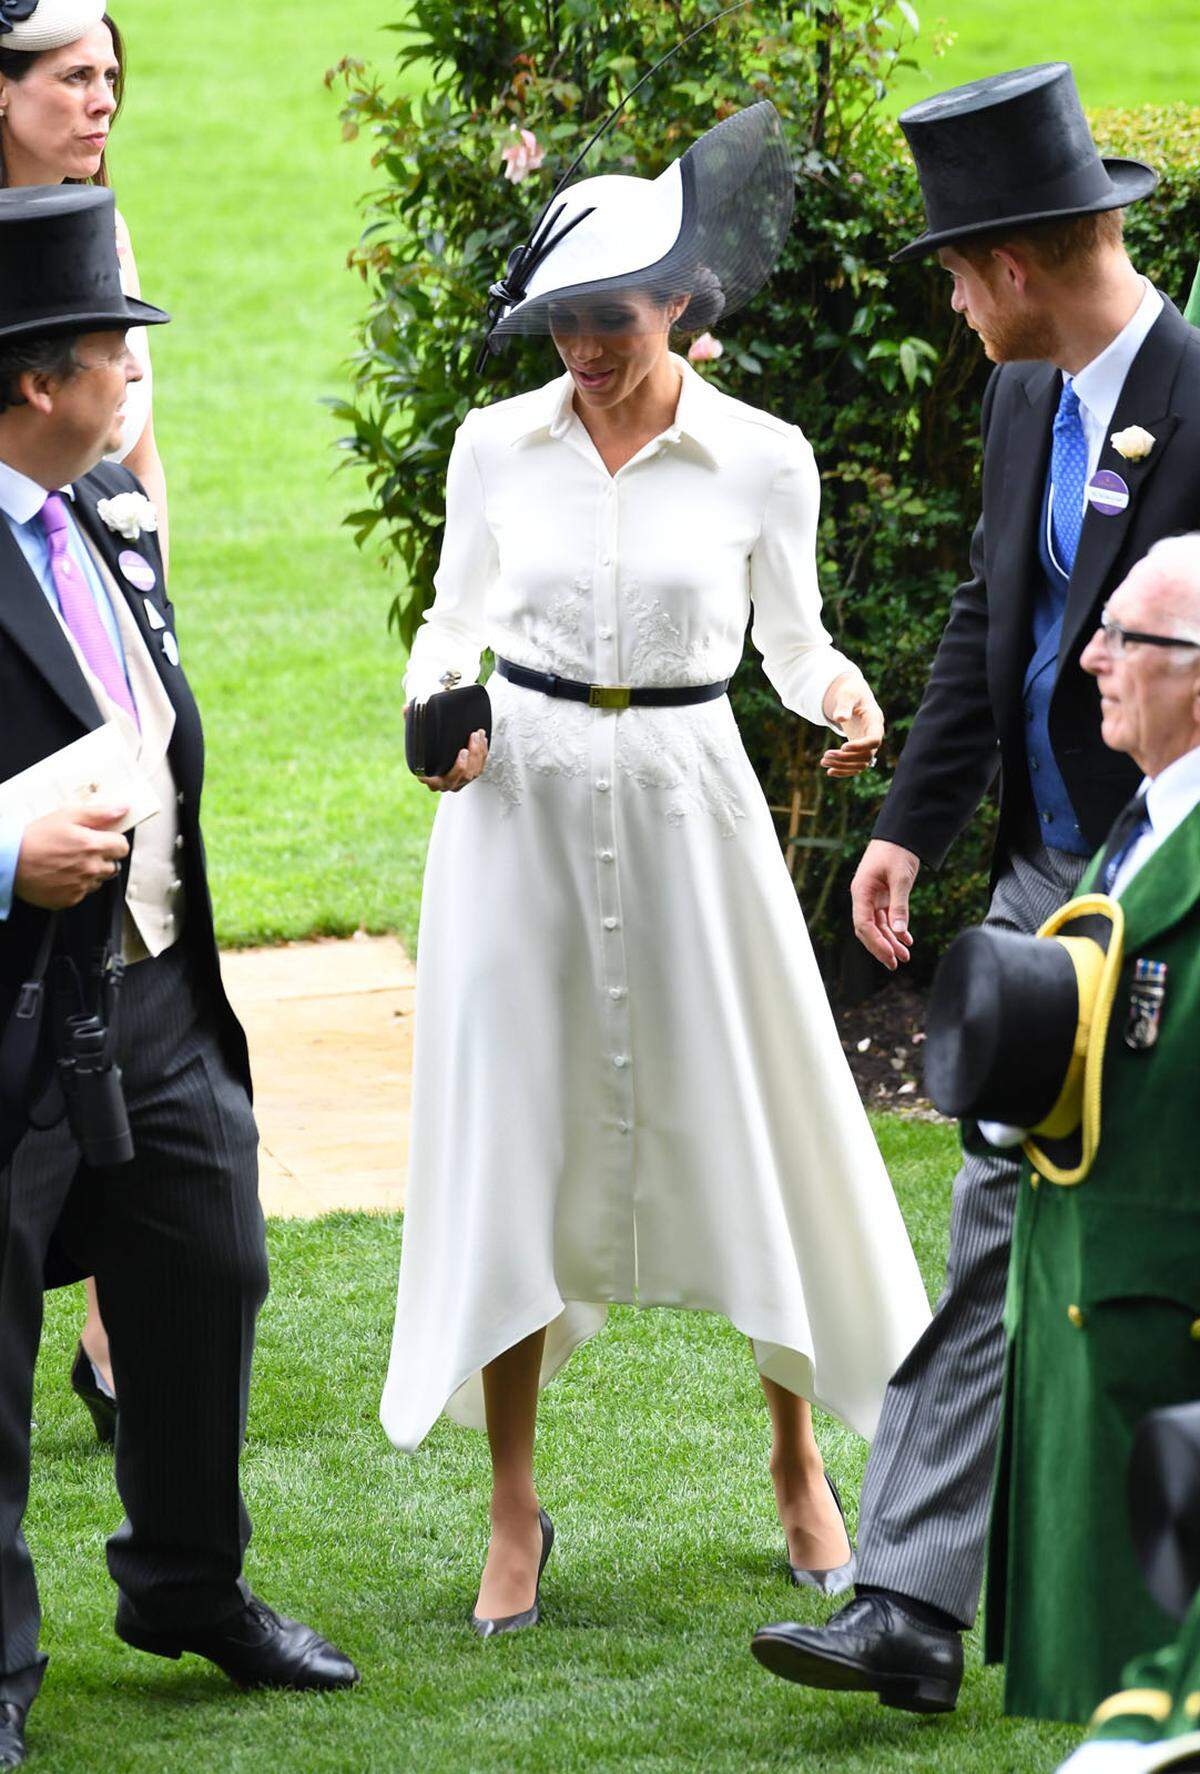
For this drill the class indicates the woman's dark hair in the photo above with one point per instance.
(16, 63)
(44, 355)
(706, 303)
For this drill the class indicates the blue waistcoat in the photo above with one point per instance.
(1057, 823)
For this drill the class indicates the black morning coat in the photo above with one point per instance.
(971, 719)
(45, 704)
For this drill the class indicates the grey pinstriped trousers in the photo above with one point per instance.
(926, 1497)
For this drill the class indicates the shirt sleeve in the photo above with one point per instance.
(798, 655)
(11, 833)
(452, 633)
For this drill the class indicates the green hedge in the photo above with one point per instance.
(866, 357)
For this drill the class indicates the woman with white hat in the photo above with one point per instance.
(628, 1085)
(61, 80)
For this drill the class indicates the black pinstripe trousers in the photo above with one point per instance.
(926, 1497)
(175, 1241)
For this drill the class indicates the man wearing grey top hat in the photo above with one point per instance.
(127, 1141)
(1089, 425)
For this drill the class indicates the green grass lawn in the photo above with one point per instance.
(1141, 53)
(242, 200)
(652, 1461)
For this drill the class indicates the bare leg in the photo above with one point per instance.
(816, 1538)
(94, 1337)
(510, 1391)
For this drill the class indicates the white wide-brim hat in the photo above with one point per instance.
(47, 24)
(711, 228)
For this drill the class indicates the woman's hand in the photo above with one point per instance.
(850, 706)
(467, 766)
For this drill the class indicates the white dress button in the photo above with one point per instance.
(622, 1127)
(179, 842)
(606, 856)
(602, 784)
(610, 924)
(604, 634)
(616, 993)
(620, 1060)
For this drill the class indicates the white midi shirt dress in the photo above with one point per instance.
(627, 1081)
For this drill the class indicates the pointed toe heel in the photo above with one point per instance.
(518, 1622)
(100, 1406)
(841, 1577)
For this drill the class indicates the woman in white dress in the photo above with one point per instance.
(628, 1085)
(61, 86)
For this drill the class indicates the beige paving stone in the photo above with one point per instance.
(330, 1031)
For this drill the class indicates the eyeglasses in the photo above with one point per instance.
(1116, 638)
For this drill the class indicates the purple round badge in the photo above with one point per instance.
(137, 569)
(1107, 493)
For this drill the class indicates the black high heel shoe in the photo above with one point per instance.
(841, 1577)
(517, 1622)
(101, 1407)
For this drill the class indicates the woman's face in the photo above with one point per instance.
(612, 344)
(54, 122)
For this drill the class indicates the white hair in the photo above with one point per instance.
(1175, 561)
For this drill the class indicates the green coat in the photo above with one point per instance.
(1103, 1322)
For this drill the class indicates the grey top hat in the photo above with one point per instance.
(1008, 151)
(59, 271)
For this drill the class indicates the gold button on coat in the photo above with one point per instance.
(1196, 1330)
(1075, 1314)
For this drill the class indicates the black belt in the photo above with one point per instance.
(609, 695)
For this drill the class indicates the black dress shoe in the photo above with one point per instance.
(841, 1577)
(101, 1407)
(12, 1734)
(517, 1622)
(873, 1646)
(257, 1648)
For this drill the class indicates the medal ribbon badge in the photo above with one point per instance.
(1146, 1004)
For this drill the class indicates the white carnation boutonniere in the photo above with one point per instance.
(1134, 443)
(129, 514)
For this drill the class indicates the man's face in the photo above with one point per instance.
(89, 405)
(1149, 696)
(1012, 325)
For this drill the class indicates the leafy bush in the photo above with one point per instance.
(867, 358)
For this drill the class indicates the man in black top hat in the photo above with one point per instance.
(127, 1142)
(1089, 425)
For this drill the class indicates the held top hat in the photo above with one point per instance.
(710, 228)
(34, 25)
(1164, 1505)
(1017, 1029)
(1009, 151)
(59, 270)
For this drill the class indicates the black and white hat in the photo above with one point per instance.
(34, 25)
(709, 229)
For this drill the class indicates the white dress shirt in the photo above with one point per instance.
(1100, 382)
(1170, 797)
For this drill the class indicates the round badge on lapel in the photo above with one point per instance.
(171, 647)
(1107, 493)
(137, 569)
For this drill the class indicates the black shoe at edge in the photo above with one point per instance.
(871, 1646)
(256, 1648)
(12, 1734)
(101, 1408)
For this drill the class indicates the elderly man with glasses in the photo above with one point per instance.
(1104, 1290)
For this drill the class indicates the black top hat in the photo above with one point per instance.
(1017, 1028)
(1164, 1505)
(59, 270)
(1008, 151)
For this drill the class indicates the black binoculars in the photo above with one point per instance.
(91, 1087)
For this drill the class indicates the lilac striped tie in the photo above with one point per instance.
(79, 610)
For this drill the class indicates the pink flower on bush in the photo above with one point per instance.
(522, 157)
(705, 349)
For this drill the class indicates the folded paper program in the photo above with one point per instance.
(98, 770)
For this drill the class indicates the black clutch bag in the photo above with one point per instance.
(436, 731)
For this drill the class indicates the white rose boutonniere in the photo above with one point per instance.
(129, 514)
(1134, 443)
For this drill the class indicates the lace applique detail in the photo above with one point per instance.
(690, 766)
(553, 639)
(535, 734)
(659, 654)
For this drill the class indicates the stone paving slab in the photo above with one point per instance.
(330, 1031)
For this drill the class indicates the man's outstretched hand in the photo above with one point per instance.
(879, 895)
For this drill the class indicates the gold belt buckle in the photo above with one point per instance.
(608, 695)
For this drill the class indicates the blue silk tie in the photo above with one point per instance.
(1068, 475)
(1131, 826)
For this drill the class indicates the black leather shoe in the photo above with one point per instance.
(517, 1622)
(101, 1408)
(257, 1648)
(832, 1582)
(873, 1646)
(12, 1734)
